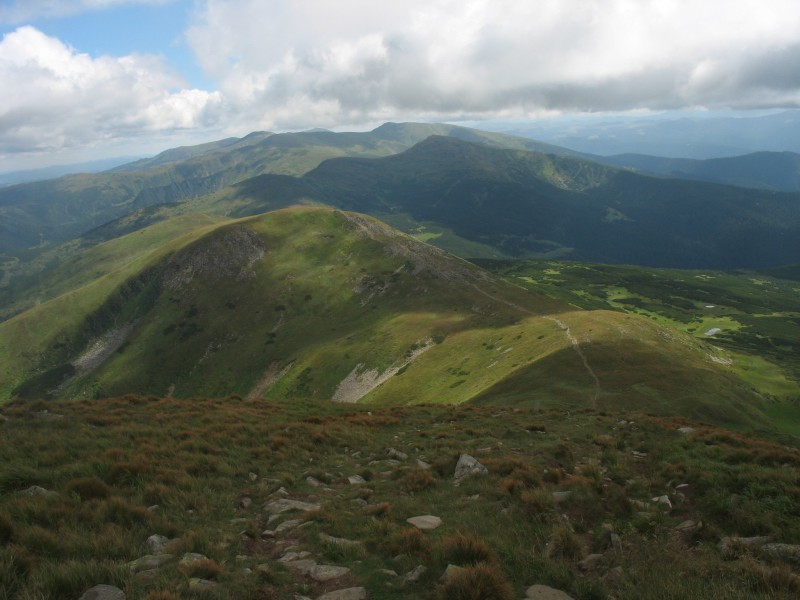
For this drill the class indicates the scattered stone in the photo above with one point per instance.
(414, 574)
(544, 592)
(285, 504)
(787, 552)
(450, 571)
(147, 575)
(425, 522)
(559, 497)
(302, 566)
(252, 476)
(663, 501)
(313, 481)
(729, 546)
(190, 558)
(616, 542)
(157, 543)
(687, 526)
(287, 525)
(356, 480)
(245, 503)
(36, 490)
(355, 593)
(149, 561)
(342, 542)
(323, 573)
(268, 533)
(686, 430)
(422, 464)
(201, 585)
(290, 556)
(103, 592)
(639, 455)
(639, 504)
(388, 572)
(396, 454)
(592, 561)
(468, 466)
(281, 491)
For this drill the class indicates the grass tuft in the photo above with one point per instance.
(477, 582)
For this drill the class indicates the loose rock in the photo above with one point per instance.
(103, 592)
(468, 466)
(787, 552)
(355, 593)
(543, 592)
(324, 573)
(414, 574)
(156, 543)
(150, 561)
(275, 507)
(425, 522)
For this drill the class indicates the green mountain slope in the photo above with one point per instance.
(52, 211)
(515, 203)
(321, 303)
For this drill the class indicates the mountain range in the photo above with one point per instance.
(261, 367)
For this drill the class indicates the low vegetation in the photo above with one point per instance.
(598, 504)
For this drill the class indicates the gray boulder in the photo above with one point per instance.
(468, 466)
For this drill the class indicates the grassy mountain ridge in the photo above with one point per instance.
(516, 203)
(317, 302)
(52, 211)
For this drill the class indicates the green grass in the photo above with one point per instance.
(109, 460)
(757, 314)
(296, 302)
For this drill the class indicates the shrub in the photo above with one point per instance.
(417, 480)
(564, 544)
(413, 542)
(204, 569)
(466, 549)
(88, 488)
(477, 582)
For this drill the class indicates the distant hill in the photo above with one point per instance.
(29, 175)
(39, 214)
(327, 304)
(779, 171)
(480, 201)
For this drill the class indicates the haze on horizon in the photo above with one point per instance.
(92, 78)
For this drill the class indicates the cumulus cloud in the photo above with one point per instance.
(284, 63)
(55, 97)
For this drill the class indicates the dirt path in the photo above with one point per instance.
(565, 328)
(577, 347)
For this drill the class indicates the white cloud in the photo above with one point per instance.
(56, 98)
(281, 63)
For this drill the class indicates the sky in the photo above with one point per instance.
(86, 79)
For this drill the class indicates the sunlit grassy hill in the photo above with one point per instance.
(321, 303)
